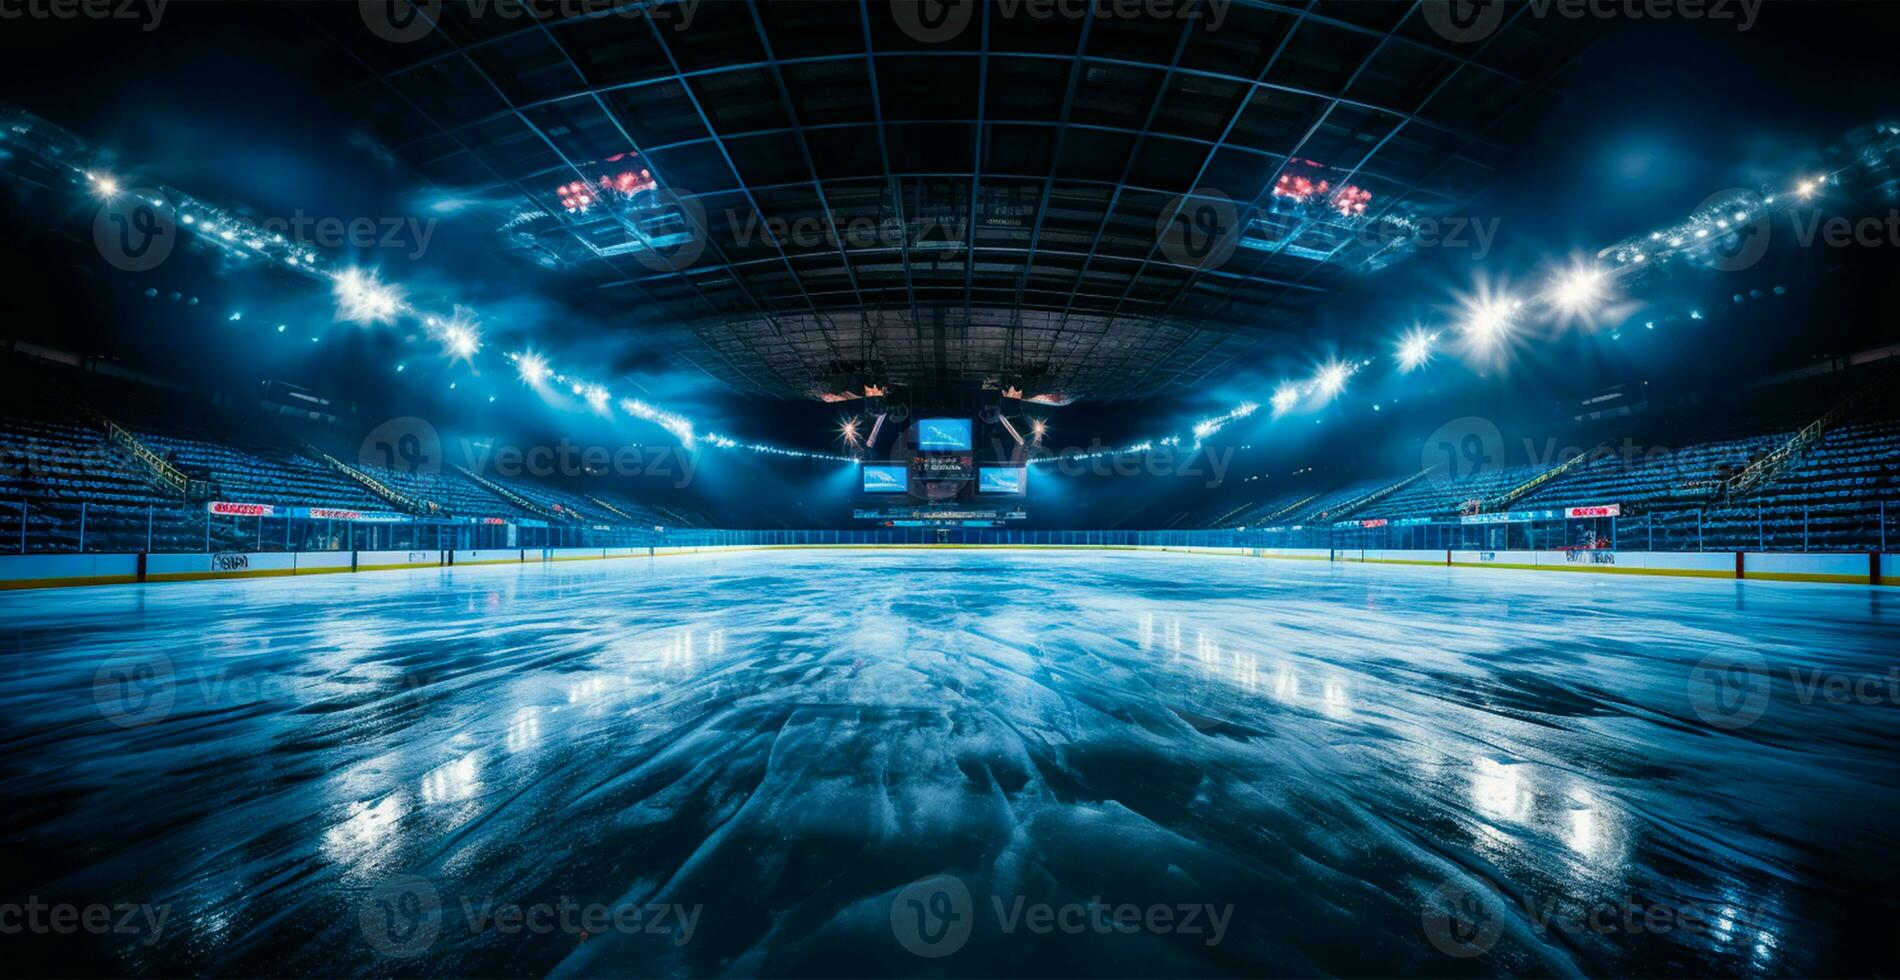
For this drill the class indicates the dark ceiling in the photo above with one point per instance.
(1063, 142)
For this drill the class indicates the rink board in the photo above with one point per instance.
(52, 571)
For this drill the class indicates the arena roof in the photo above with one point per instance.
(1029, 159)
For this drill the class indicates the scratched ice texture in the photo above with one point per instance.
(1331, 769)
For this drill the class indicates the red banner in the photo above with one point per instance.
(1375, 522)
(1598, 510)
(241, 510)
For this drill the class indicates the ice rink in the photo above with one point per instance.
(955, 762)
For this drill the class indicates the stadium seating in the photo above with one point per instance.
(67, 483)
(261, 474)
(1665, 472)
(452, 493)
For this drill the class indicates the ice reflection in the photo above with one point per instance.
(594, 691)
(1746, 933)
(458, 780)
(367, 832)
(1573, 814)
(1336, 703)
(524, 730)
(688, 645)
(1586, 824)
(1210, 657)
(1499, 790)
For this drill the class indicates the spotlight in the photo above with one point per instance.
(1581, 290)
(1037, 429)
(1285, 397)
(533, 369)
(849, 431)
(1415, 350)
(596, 398)
(1490, 321)
(461, 340)
(1331, 378)
(679, 426)
(363, 298)
(104, 185)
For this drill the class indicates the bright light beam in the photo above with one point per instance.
(1207, 427)
(1285, 397)
(1331, 379)
(678, 425)
(1488, 322)
(1580, 291)
(1415, 349)
(461, 340)
(363, 298)
(532, 368)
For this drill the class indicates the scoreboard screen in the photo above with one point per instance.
(943, 435)
(993, 479)
(886, 478)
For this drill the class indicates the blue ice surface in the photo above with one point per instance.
(1357, 770)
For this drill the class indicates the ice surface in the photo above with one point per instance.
(352, 774)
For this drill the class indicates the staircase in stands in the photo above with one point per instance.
(1764, 470)
(507, 494)
(162, 473)
(611, 509)
(1351, 507)
(1507, 498)
(1288, 509)
(391, 495)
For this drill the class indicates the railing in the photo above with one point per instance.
(611, 509)
(163, 473)
(1770, 466)
(394, 497)
(507, 494)
(1362, 502)
(1504, 500)
(37, 527)
(1288, 509)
